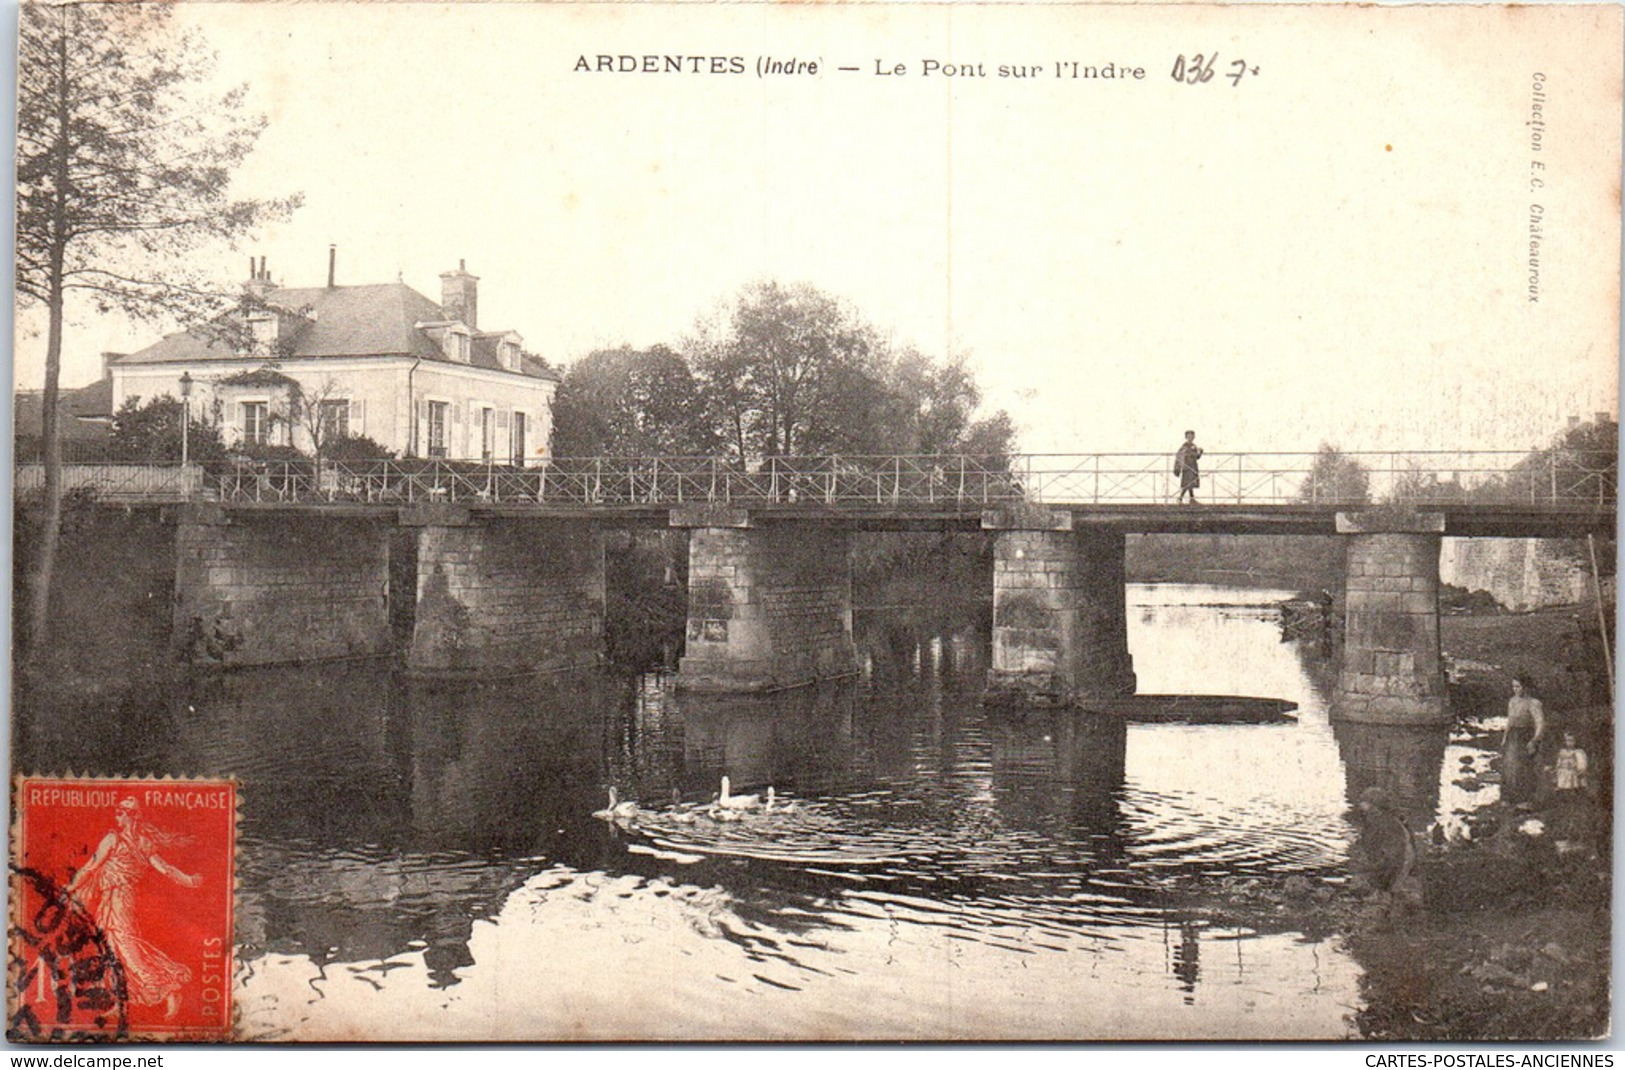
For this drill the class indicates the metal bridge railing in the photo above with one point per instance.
(1559, 479)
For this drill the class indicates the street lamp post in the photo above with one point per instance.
(186, 421)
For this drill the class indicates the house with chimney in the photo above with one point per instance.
(306, 366)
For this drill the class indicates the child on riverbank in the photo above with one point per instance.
(1571, 779)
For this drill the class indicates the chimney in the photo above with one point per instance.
(332, 264)
(259, 280)
(460, 295)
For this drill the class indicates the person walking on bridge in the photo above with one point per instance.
(1187, 468)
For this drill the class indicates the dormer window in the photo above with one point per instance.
(509, 355)
(456, 343)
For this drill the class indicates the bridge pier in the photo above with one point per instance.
(271, 590)
(1392, 670)
(1060, 626)
(505, 596)
(768, 606)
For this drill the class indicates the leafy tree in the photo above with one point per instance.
(356, 448)
(1336, 477)
(631, 402)
(993, 438)
(932, 405)
(123, 169)
(151, 433)
(1421, 487)
(787, 369)
(1580, 467)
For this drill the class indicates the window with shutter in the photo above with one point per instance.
(437, 428)
(518, 438)
(333, 420)
(256, 422)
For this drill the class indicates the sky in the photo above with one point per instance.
(1334, 249)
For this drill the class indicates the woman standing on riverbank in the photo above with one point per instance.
(1520, 766)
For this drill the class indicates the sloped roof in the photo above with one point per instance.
(89, 401)
(82, 407)
(483, 352)
(344, 321)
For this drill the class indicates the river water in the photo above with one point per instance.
(421, 860)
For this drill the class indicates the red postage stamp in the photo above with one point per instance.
(122, 900)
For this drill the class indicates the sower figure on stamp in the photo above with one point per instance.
(109, 880)
(1187, 468)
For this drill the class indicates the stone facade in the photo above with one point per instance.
(380, 360)
(768, 608)
(1521, 574)
(1060, 627)
(252, 591)
(506, 597)
(1392, 672)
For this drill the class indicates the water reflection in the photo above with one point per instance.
(1403, 761)
(1186, 959)
(411, 850)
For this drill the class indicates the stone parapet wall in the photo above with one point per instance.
(1521, 574)
(1392, 671)
(112, 613)
(507, 597)
(768, 608)
(251, 591)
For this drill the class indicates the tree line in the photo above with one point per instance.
(1580, 467)
(779, 370)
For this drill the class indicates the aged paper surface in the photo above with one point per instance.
(1201, 786)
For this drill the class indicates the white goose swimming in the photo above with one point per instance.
(729, 801)
(778, 806)
(617, 810)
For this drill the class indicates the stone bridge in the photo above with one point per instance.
(513, 588)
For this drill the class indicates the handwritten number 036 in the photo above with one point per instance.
(1199, 69)
(1195, 70)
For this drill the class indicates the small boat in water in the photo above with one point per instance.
(1195, 709)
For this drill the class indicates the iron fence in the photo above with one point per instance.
(1559, 479)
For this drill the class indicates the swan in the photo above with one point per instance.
(776, 806)
(728, 801)
(681, 812)
(616, 809)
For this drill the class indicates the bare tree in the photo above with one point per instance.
(311, 410)
(124, 164)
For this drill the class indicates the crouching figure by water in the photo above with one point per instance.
(1384, 856)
